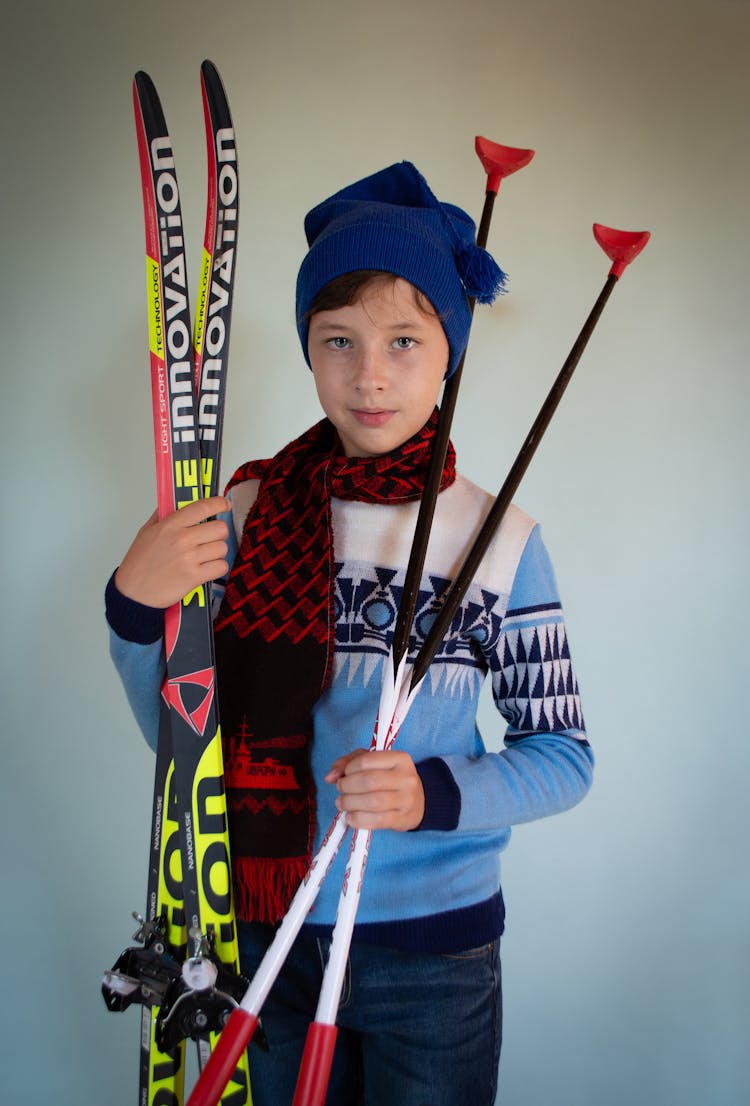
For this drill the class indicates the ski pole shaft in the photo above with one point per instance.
(395, 699)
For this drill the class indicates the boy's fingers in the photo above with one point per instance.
(378, 789)
(362, 783)
(213, 570)
(211, 532)
(200, 510)
(339, 766)
(213, 551)
(400, 809)
(369, 760)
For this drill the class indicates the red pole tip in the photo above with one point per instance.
(500, 161)
(620, 246)
(315, 1069)
(233, 1041)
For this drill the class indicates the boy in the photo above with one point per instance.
(318, 539)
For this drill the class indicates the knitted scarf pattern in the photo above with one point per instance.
(275, 639)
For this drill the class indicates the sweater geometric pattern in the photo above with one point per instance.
(537, 683)
(366, 602)
(527, 651)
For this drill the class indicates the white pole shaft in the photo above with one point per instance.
(278, 950)
(333, 978)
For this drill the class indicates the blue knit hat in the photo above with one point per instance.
(391, 222)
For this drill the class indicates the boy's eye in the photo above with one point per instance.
(404, 343)
(338, 342)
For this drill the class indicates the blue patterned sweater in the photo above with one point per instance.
(437, 888)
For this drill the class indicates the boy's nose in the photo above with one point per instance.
(371, 369)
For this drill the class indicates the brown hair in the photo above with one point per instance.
(346, 289)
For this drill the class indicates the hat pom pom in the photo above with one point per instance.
(482, 277)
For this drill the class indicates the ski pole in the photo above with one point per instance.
(621, 247)
(498, 162)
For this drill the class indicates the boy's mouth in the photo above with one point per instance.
(372, 417)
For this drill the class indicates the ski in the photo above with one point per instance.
(189, 897)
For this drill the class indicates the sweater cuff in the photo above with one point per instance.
(131, 620)
(442, 797)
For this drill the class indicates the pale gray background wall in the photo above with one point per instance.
(626, 957)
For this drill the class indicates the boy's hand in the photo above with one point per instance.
(378, 789)
(170, 557)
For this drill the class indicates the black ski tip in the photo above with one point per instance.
(144, 84)
(215, 96)
(212, 81)
(147, 99)
(210, 74)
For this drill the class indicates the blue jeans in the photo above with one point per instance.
(414, 1029)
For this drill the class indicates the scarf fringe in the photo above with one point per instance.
(264, 887)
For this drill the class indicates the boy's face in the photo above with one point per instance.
(378, 366)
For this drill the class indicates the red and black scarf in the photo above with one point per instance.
(275, 638)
